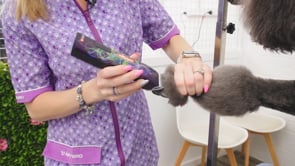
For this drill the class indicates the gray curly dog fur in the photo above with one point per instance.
(271, 23)
(234, 90)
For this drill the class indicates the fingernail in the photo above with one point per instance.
(139, 72)
(206, 88)
(135, 54)
(144, 82)
(128, 68)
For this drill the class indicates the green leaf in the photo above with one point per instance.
(25, 141)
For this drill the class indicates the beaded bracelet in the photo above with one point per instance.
(82, 104)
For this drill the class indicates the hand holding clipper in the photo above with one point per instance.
(101, 56)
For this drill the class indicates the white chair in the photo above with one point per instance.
(262, 124)
(193, 126)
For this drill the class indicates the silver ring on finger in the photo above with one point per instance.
(200, 71)
(115, 91)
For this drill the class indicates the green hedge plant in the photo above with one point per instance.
(21, 139)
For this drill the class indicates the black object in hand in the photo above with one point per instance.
(94, 53)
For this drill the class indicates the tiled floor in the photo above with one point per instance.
(223, 161)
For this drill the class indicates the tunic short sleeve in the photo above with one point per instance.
(29, 71)
(158, 26)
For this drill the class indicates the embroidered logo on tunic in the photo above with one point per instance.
(20, 97)
(69, 155)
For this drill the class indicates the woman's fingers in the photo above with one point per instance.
(118, 82)
(207, 78)
(192, 78)
(112, 71)
(198, 73)
(120, 92)
(179, 79)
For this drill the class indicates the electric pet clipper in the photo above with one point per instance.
(96, 54)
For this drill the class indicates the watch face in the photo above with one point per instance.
(190, 54)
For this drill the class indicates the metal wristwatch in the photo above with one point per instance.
(188, 54)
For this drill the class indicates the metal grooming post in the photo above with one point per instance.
(218, 59)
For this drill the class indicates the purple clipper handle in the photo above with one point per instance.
(96, 54)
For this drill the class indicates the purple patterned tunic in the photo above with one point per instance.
(39, 59)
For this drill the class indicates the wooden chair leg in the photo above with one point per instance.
(271, 148)
(204, 154)
(246, 151)
(243, 147)
(231, 157)
(182, 152)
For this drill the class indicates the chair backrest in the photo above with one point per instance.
(258, 122)
(193, 124)
(191, 114)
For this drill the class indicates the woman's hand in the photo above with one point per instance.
(192, 76)
(114, 83)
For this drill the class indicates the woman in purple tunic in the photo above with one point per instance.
(61, 89)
